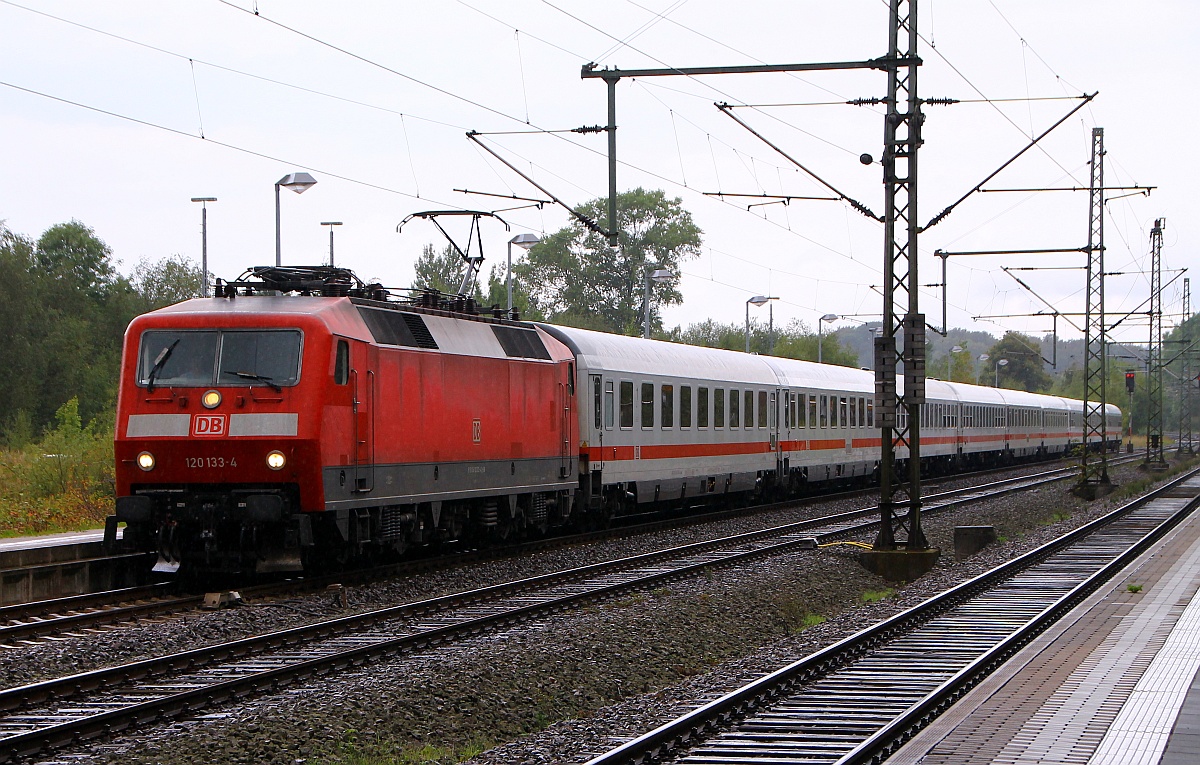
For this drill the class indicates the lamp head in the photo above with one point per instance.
(525, 241)
(661, 275)
(759, 300)
(297, 182)
(830, 317)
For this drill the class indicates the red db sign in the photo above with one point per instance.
(209, 424)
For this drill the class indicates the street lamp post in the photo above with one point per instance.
(331, 224)
(820, 335)
(204, 242)
(658, 275)
(524, 241)
(758, 301)
(999, 363)
(297, 182)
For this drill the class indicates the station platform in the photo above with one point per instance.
(1115, 682)
(57, 565)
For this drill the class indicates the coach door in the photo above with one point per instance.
(565, 393)
(362, 378)
(777, 412)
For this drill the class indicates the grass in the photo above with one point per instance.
(1133, 587)
(874, 596)
(64, 482)
(351, 752)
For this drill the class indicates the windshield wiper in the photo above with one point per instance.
(163, 355)
(252, 376)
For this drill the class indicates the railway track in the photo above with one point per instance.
(41, 620)
(861, 699)
(78, 708)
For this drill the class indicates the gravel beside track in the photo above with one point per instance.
(561, 689)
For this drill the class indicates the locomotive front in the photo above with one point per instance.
(214, 441)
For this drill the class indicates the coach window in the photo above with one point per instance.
(647, 405)
(685, 406)
(844, 412)
(719, 408)
(762, 409)
(341, 363)
(608, 404)
(812, 410)
(667, 406)
(853, 413)
(792, 411)
(597, 400)
(702, 407)
(735, 408)
(862, 412)
(824, 411)
(870, 413)
(626, 404)
(749, 409)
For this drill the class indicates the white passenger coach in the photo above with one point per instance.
(664, 422)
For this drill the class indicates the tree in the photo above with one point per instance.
(793, 341)
(170, 280)
(497, 295)
(72, 252)
(1024, 370)
(575, 278)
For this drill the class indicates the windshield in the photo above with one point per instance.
(200, 358)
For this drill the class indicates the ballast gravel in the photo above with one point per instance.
(561, 689)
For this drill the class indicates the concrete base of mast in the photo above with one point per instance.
(899, 565)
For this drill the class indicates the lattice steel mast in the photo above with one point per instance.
(1095, 338)
(900, 413)
(1154, 419)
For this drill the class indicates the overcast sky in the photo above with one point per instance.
(103, 105)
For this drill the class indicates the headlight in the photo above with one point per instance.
(211, 399)
(145, 461)
(276, 460)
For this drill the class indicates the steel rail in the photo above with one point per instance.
(640, 572)
(48, 618)
(689, 730)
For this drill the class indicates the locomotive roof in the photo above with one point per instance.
(244, 311)
(447, 333)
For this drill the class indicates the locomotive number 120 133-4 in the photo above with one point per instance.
(209, 462)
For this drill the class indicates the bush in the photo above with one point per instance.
(64, 482)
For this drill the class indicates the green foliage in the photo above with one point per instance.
(64, 315)
(351, 752)
(61, 483)
(1024, 370)
(440, 270)
(1133, 587)
(874, 596)
(575, 278)
(170, 280)
(792, 341)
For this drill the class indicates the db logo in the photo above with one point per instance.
(208, 425)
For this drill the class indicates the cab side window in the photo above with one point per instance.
(341, 363)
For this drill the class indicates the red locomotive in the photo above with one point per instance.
(265, 431)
